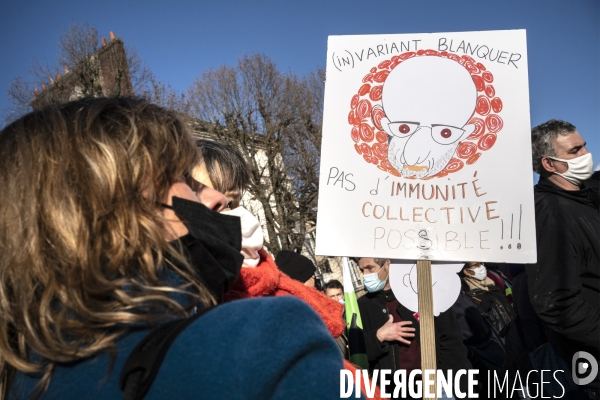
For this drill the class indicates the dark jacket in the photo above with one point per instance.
(531, 331)
(492, 304)
(485, 349)
(451, 354)
(564, 285)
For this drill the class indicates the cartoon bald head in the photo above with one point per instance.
(427, 103)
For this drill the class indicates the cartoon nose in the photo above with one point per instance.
(212, 198)
(418, 146)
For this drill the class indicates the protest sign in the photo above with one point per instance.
(426, 148)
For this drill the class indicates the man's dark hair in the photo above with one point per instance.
(333, 284)
(378, 261)
(225, 165)
(542, 138)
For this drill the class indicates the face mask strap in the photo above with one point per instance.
(165, 205)
(388, 275)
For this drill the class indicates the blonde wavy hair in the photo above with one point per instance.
(83, 253)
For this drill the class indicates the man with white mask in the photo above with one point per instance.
(489, 299)
(391, 330)
(564, 285)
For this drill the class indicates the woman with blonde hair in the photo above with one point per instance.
(103, 236)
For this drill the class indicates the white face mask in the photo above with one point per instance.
(252, 235)
(580, 168)
(480, 273)
(342, 301)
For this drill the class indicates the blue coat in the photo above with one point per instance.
(266, 348)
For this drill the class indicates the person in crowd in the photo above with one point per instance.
(223, 167)
(526, 336)
(483, 313)
(102, 237)
(297, 267)
(227, 172)
(489, 299)
(499, 273)
(564, 284)
(392, 331)
(334, 290)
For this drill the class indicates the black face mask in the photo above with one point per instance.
(212, 245)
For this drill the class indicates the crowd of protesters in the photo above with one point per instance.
(130, 269)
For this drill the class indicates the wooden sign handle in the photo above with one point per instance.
(428, 350)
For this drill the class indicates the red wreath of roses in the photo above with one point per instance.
(371, 141)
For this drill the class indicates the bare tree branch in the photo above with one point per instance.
(76, 43)
(163, 94)
(77, 46)
(275, 120)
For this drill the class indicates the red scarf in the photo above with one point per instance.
(267, 280)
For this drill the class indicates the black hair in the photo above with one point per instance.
(225, 165)
(333, 284)
(542, 140)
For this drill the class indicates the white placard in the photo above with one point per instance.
(444, 280)
(426, 150)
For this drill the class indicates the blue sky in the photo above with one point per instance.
(180, 39)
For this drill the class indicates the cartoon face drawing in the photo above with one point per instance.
(428, 102)
(441, 114)
(403, 280)
(410, 279)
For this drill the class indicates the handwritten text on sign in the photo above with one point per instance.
(426, 151)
